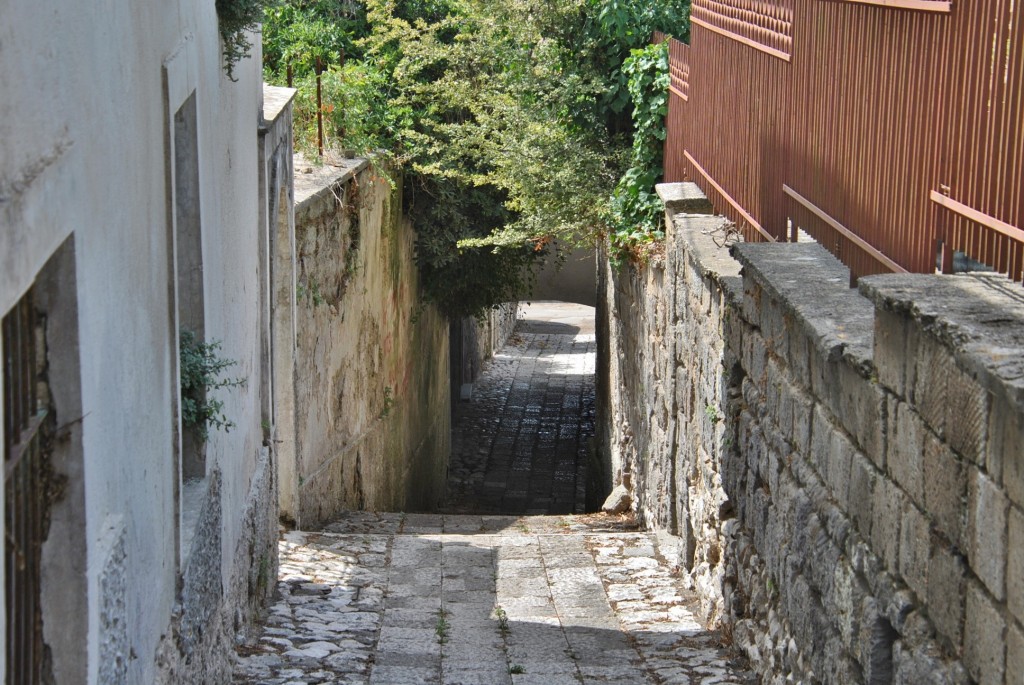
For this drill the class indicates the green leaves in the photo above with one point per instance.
(516, 121)
(201, 368)
(637, 211)
(235, 18)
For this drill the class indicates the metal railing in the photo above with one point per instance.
(25, 495)
(887, 130)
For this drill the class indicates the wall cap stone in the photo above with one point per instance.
(684, 198)
(813, 286)
(275, 100)
(710, 258)
(980, 317)
(314, 181)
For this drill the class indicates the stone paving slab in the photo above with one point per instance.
(481, 601)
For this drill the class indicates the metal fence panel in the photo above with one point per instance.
(882, 129)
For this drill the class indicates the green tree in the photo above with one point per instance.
(513, 121)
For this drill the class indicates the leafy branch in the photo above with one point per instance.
(201, 369)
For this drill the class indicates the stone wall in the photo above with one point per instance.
(371, 379)
(211, 614)
(473, 341)
(839, 472)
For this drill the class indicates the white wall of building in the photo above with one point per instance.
(84, 154)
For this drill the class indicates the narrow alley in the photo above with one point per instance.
(393, 599)
(520, 445)
(486, 595)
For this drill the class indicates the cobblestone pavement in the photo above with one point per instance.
(392, 599)
(520, 445)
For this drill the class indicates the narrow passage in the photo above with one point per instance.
(483, 599)
(520, 444)
(395, 599)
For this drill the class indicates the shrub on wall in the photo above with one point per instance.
(237, 18)
(201, 371)
(637, 212)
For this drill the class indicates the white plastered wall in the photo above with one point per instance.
(83, 151)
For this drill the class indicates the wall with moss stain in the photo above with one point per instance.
(371, 386)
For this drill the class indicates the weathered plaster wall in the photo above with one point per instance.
(371, 382)
(841, 471)
(92, 168)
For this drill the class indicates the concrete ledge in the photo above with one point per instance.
(979, 317)
(314, 180)
(813, 285)
(710, 258)
(275, 100)
(684, 198)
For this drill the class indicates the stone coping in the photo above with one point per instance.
(980, 317)
(684, 198)
(275, 100)
(313, 179)
(710, 258)
(806, 280)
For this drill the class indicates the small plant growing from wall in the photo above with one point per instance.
(201, 373)
(236, 17)
(389, 402)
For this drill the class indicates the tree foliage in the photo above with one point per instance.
(513, 120)
(637, 211)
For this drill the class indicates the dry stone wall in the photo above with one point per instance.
(840, 472)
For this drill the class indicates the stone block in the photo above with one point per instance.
(824, 373)
(860, 407)
(755, 356)
(821, 442)
(984, 637)
(862, 494)
(917, 665)
(771, 468)
(967, 409)
(684, 198)
(1015, 565)
(946, 589)
(890, 347)
(876, 643)
(848, 593)
(823, 558)
(886, 512)
(915, 543)
(945, 489)
(905, 460)
(1005, 454)
(787, 408)
(840, 481)
(1014, 652)
(986, 550)
(935, 365)
(734, 330)
(800, 356)
(802, 409)
(752, 294)
(773, 325)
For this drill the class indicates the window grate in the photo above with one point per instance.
(25, 492)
